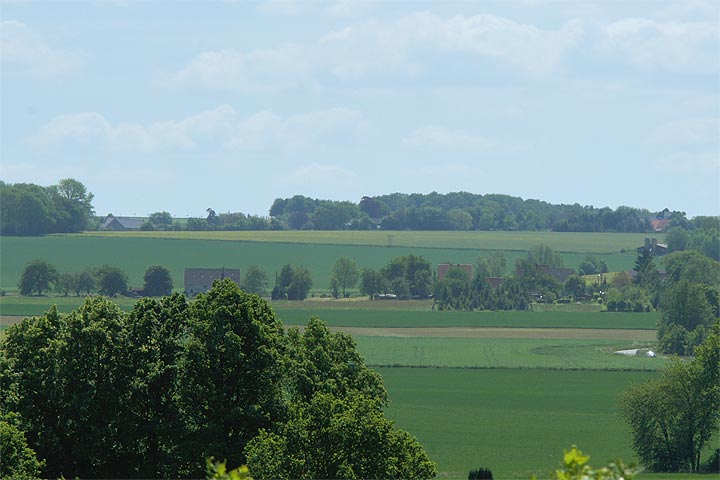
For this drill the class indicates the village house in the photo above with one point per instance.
(120, 224)
(200, 280)
(443, 268)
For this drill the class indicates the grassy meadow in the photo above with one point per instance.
(318, 251)
(509, 402)
(515, 422)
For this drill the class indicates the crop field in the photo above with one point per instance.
(511, 241)
(398, 318)
(505, 353)
(318, 251)
(503, 390)
(515, 422)
(382, 314)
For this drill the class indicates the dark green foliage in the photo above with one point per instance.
(591, 266)
(158, 281)
(325, 362)
(293, 283)
(111, 280)
(161, 220)
(691, 266)
(255, 281)
(230, 373)
(685, 309)
(453, 291)
(338, 438)
(672, 418)
(372, 283)
(17, 460)
(85, 282)
(37, 276)
(345, 275)
(30, 209)
(152, 393)
(409, 276)
(647, 275)
(480, 474)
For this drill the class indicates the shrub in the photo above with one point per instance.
(480, 474)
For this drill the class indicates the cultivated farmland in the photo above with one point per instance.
(503, 390)
(318, 251)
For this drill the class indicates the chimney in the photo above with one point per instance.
(654, 243)
(647, 243)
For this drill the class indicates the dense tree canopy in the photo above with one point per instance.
(674, 417)
(30, 209)
(153, 393)
(111, 280)
(37, 276)
(345, 274)
(158, 281)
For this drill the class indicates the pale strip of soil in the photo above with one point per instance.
(6, 320)
(500, 332)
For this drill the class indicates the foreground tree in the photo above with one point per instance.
(229, 374)
(37, 276)
(345, 274)
(158, 281)
(335, 426)
(17, 460)
(674, 417)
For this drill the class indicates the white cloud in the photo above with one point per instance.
(445, 139)
(286, 66)
(677, 46)
(403, 48)
(22, 49)
(212, 129)
(689, 130)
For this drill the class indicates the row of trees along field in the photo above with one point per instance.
(39, 276)
(99, 393)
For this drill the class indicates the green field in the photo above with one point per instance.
(514, 422)
(511, 241)
(382, 314)
(505, 353)
(318, 251)
(508, 404)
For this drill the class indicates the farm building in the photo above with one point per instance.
(200, 280)
(120, 224)
(444, 267)
(652, 246)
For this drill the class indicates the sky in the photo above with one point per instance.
(187, 105)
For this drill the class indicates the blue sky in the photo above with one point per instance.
(181, 106)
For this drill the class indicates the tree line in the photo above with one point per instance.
(155, 392)
(39, 276)
(30, 209)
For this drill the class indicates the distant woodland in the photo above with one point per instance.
(30, 209)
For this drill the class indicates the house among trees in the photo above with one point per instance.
(559, 274)
(444, 267)
(120, 224)
(651, 245)
(200, 280)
